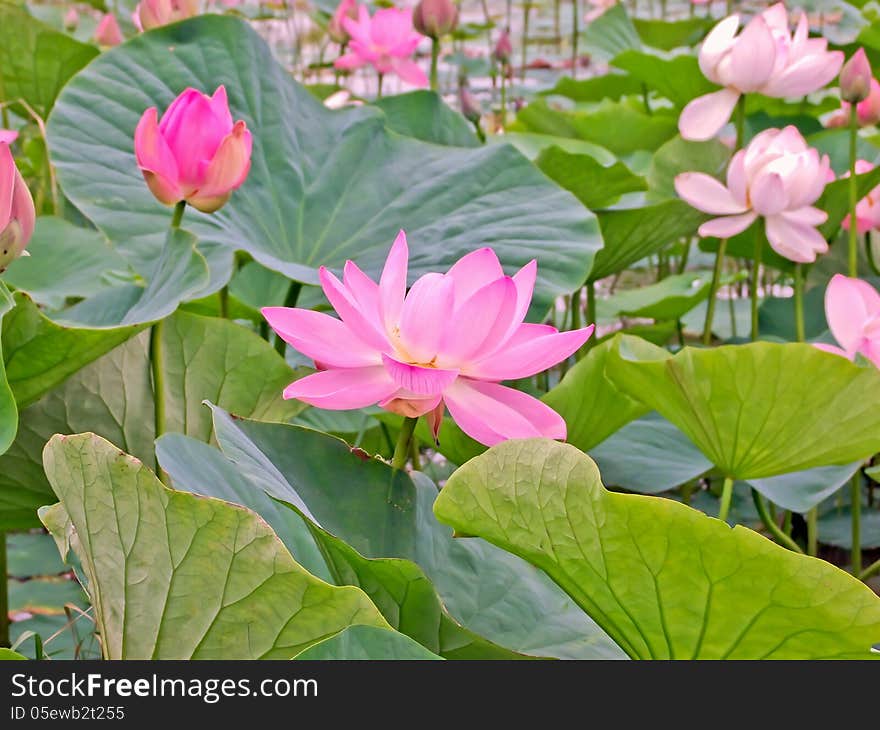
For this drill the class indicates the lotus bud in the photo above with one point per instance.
(855, 78)
(71, 19)
(336, 28)
(107, 33)
(470, 107)
(435, 18)
(17, 214)
(503, 48)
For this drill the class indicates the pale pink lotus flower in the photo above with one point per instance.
(868, 208)
(765, 58)
(855, 77)
(445, 344)
(17, 214)
(71, 19)
(335, 28)
(599, 8)
(852, 309)
(867, 110)
(386, 42)
(107, 33)
(151, 14)
(195, 153)
(777, 177)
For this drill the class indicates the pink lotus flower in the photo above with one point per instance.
(435, 18)
(336, 28)
(71, 19)
(765, 58)
(195, 153)
(852, 308)
(599, 8)
(778, 177)
(868, 208)
(855, 77)
(151, 14)
(17, 215)
(445, 344)
(386, 41)
(867, 111)
(107, 33)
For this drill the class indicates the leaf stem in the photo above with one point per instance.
(855, 506)
(726, 497)
(177, 216)
(401, 450)
(771, 525)
(813, 532)
(753, 288)
(799, 303)
(872, 569)
(713, 292)
(575, 33)
(290, 300)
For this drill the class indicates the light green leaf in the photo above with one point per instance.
(8, 654)
(759, 409)
(664, 580)
(296, 212)
(803, 490)
(596, 88)
(611, 33)
(590, 403)
(358, 643)
(679, 155)
(667, 299)
(424, 115)
(669, 34)
(595, 185)
(35, 60)
(384, 514)
(532, 144)
(176, 576)
(677, 77)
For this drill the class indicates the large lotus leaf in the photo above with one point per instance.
(398, 588)
(176, 576)
(760, 409)
(8, 408)
(594, 184)
(611, 33)
(649, 455)
(596, 88)
(664, 580)
(592, 406)
(803, 490)
(40, 354)
(670, 298)
(66, 261)
(424, 115)
(632, 234)
(669, 34)
(203, 357)
(35, 60)
(677, 77)
(360, 643)
(679, 155)
(324, 185)
(385, 514)
(622, 127)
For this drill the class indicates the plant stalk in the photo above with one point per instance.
(575, 33)
(726, 498)
(753, 287)
(289, 301)
(771, 525)
(799, 303)
(713, 292)
(853, 193)
(4, 594)
(435, 55)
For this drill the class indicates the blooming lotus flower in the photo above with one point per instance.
(386, 41)
(195, 153)
(151, 14)
(17, 215)
(445, 344)
(867, 110)
(765, 58)
(852, 308)
(335, 28)
(778, 177)
(868, 208)
(107, 33)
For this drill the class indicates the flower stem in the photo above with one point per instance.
(156, 366)
(527, 10)
(872, 569)
(726, 497)
(740, 120)
(401, 449)
(713, 292)
(753, 288)
(435, 55)
(381, 77)
(224, 302)
(503, 95)
(771, 525)
(575, 32)
(853, 192)
(813, 532)
(4, 594)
